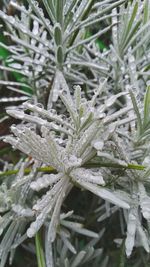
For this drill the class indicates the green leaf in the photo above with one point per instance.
(83, 17)
(147, 106)
(69, 15)
(133, 16)
(58, 34)
(50, 9)
(137, 34)
(39, 251)
(146, 12)
(60, 56)
(131, 33)
(128, 28)
(136, 109)
(4, 53)
(59, 11)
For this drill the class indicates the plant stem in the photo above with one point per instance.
(115, 165)
(88, 165)
(28, 170)
(39, 251)
(122, 256)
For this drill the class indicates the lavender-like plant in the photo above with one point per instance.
(94, 140)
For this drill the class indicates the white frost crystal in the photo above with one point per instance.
(67, 154)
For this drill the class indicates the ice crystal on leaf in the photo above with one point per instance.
(66, 145)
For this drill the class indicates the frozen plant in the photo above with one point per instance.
(66, 144)
(44, 44)
(82, 179)
(76, 146)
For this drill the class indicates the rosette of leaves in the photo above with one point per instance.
(45, 40)
(68, 143)
(127, 56)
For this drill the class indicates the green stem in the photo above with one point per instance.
(28, 170)
(39, 251)
(115, 165)
(88, 165)
(122, 256)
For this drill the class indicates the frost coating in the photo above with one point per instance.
(37, 53)
(66, 145)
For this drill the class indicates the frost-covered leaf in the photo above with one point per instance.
(131, 230)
